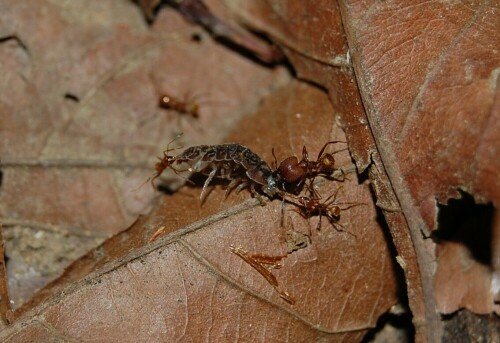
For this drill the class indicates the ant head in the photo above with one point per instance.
(164, 163)
(167, 160)
(334, 212)
(164, 101)
(194, 110)
(327, 163)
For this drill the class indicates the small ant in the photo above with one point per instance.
(311, 206)
(165, 161)
(188, 105)
(171, 103)
(294, 172)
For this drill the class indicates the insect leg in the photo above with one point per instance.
(232, 185)
(318, 227)
(256, 194)
(241, 186)
(203, 194)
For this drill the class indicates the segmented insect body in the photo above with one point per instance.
(293, 172)
(234, 162)
(189, 107)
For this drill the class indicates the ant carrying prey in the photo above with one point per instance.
(241, 167)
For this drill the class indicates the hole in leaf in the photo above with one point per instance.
(396, 323)
(465, 326)
(466, 222)
(392, 326)
(196, 37)
(72, 97)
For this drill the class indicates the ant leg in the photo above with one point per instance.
(318, 227)
(330, 200)
(305, 155)
(275, 165)
(282, 220)
(327, 144)
(342, 177)
(335, 225)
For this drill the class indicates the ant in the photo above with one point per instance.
(309, 206)
(188, 105)
(165, 162)
(171, 103)
(294, 172)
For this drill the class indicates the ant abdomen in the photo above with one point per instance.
(290, 170)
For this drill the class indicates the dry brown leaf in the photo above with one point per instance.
(431, 90)
(81, 126)
(187, 285)
(423, 122)
(428, 79)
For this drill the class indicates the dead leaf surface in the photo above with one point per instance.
(431, 90)
(81, 126)
(428, 79)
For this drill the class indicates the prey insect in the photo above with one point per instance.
(233, 162)
(294, 173)
(264, 264)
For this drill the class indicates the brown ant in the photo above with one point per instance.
(171, 103)
(165, 162)
(294, 172)
(309, 206)
(188, 105)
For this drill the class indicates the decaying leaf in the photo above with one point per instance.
(81, 125)
(412, 90)
(427, 77)
(187, 283)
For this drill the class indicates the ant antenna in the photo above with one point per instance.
(275, 166)
(324, 147)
